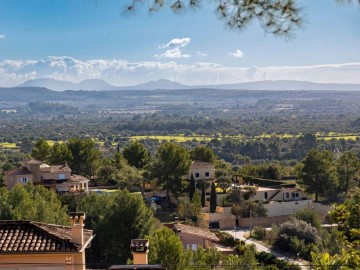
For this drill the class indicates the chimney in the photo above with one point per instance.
(77, 227)
(140, 250)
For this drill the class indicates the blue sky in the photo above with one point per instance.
(80, 39)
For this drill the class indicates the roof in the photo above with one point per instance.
(23, 237)
(196, 231)
(55, 168)
(77, 178)
(33, 161)
(18, 171)
(138, 266)
(196, 164)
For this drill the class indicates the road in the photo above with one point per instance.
(239, 234)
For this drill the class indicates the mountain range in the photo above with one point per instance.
(162, 84)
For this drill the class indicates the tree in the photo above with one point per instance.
(203, 195)
(348, 166)
(234, 196)
(308, 215)
(276, 17)
(84, 154)
(323, 261)
(304, 144)
(171, 163)
(31, 203)
(223, 182)
(208, 258)
(297, 236)
(136, 155)
(213, 199)
(318, 172)
(59, 154)
(192, 187)
(245, 209)
(189, 209)
(41, 150)
(203, 153)
(116, 219)
(166, 248)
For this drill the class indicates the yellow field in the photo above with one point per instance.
(8, 145)
(180, 138)
(171, 138)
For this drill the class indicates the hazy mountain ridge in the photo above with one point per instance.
(163, 84)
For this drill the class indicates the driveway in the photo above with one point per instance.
(239, 234)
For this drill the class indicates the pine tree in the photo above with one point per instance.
(213, 198)
(203, 195)
(192, 187)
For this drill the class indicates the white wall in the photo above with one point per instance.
(286, 208)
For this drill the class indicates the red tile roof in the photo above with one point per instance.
(18, 171)
(196, 231)
(19, 237)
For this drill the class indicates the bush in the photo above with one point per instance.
(259, 233)
(298, 238)
(226, 239)
(273, 263)
(308, 215)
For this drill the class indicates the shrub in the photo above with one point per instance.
(259, 233)
(298, 238)
(308, 215)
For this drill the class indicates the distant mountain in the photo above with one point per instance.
(56, 85)
(162, 84)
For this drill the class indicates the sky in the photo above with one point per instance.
(75, 40)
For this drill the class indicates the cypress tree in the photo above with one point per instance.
(192, 187)
(213, 198)
(203, 195)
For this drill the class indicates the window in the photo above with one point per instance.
(24, 180)
(197, 175)
(61, 176)
(192, 247)
(287, 195)
(265, 195)
(207, 174)
(297, 195)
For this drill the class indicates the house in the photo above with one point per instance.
(202, 170)
(56, 177)
(194, 237)
(30, 245)
(282, 193)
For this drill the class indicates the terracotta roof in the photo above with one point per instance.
(60, 168)
(78, 178)
(196, 164)
(33, 161)
(196, 231)
(18, 171)
(19, 237)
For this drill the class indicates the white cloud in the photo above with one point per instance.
(176, 42)
(121, 72)
(2, 36)
(237, 54)
(173, 53)
(201, 54)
